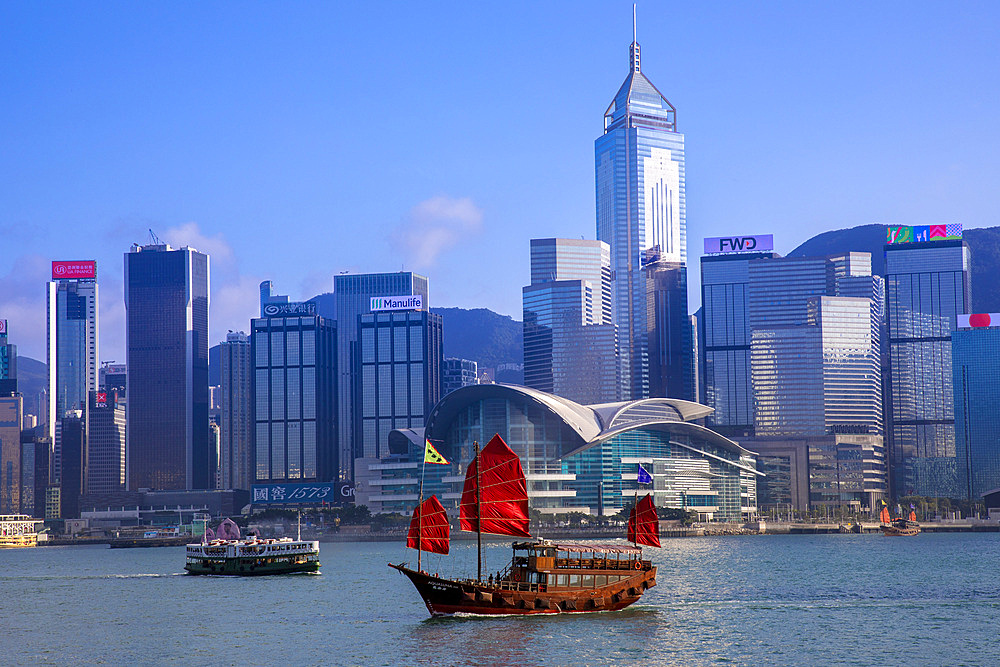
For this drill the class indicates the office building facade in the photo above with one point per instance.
(166, 305)
(236, 442)
(570, 343)
(398, 375)
(669, 336)
(640, 193)
(927, 287)
(8, 362)
(105, 442)
(72, 337)
(11, 411)
(293, 395)
(975, 354)
(458, 373)
(352, 297)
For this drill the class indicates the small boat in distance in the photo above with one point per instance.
(898, 527)
(223, 552)
(543, 577)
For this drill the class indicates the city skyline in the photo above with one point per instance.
(213, 130)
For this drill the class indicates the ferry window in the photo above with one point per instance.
(588, 581)
(574, 580)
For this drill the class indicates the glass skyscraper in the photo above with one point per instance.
(166, 307)
(725, 349)
(235, 449)
(398, 375)
(569, 341)
(72, 329)
(640, 172)
(105, 442)
(352, 295)
(927, 287)
(975, 357)
(294, 395)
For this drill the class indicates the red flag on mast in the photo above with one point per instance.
(502, 490)
(643, 524)
(430, 522)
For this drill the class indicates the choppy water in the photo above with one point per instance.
(775, 600)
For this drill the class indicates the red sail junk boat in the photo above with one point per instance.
(542, 577)
(898, 527)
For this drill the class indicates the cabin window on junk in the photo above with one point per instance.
(574, 580)
(588, 580)
(563, 580)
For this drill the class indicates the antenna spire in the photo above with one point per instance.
(633, 49)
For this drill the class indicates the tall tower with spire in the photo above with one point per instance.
(639, 164)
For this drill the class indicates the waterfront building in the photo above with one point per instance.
(72, 474)
(105, 442)
(11, 410)
(353, 294)
(236, 447)
(113, 377)
(72, 328)
(35, 450)
(166, 305)
(975, 354)
(927, 287)
(570, 344)
(725, 339)
(458, 373)
(576, 458)
(397, 375)
(640, 193)
(293, 394)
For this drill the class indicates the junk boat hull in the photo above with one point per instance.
(890, 530)
(450, 596)
(251, 558)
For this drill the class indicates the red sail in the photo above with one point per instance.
(504, 494)
(430, 523)
(643, 524)
(884, 516)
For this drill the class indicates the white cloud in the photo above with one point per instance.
(434, 226)
(221, 254)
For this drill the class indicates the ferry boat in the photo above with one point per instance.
(543, 577)
(18, 530)
(252, 556)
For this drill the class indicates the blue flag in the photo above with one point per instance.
(644, 477)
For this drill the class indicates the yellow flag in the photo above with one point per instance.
(431, 455)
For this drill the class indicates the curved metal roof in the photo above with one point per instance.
(592, 424)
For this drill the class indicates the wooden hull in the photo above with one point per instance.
(896, 531)
(450, 596)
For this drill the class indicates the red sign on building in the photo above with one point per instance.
(77, 269)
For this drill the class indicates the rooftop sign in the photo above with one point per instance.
(978, 320)
(289, 309)
(411, 302)
(3, 326)
(73, 270)
(317, 493)
(921, 234)
(727, 244)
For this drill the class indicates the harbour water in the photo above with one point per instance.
(933, 599)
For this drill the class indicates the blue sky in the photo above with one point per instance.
(293, 141)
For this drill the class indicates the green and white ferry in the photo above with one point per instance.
(252, 557)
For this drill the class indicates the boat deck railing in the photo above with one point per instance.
(595, 564)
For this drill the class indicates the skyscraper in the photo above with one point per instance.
(166, 304)
(294, 394)
(8, 362)
(11, 411)
(236, 452)
(72, 302)
(640, 176)
(353, 294)
(976, 376)
(105, 442)
(927, 287)
(398, 375)
(569, 340)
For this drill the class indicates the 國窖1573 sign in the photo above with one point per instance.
(76, 269)
(316, 493)
(726, 244)
(411, 302)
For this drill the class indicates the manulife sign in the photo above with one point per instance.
(383, 303)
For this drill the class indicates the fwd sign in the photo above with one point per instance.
(728, 244)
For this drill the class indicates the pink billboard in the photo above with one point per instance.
(75, 269)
